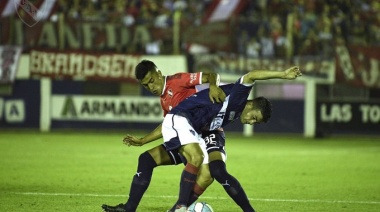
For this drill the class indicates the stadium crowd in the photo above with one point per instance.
(264, 28)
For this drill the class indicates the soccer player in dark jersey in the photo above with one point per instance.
(215, 149)
(172, 90)
(184, 123)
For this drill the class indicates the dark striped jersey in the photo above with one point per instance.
(205, 115)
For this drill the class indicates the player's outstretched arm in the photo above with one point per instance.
(131, 140)
(290, 74)
(216, 94)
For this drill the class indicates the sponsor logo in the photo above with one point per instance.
(14, 110)
(83, 65)
(170, 92)
(225, 184)
(344, 113)
(193, 77)
(106, 108)
(217, 121)
(29, 14)
(192, 132)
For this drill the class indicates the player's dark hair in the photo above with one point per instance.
(143, 68)
(265, 106)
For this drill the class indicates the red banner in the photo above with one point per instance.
(358, 66)
(86, 66)
(76, 35)
(72, 34)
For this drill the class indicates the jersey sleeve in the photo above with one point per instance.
(245, 84)
(240, 92)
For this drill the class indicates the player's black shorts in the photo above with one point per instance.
(215, 141)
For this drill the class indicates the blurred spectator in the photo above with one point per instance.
(163, 20)
(153, 47)
(132, 8)
(141, 33)
(278, 7)
(357, 35)
(324, 30)
(260, 7)
(253, 48)
(117, 11)
(296, 30)
(180, 5)
(339, 38)
(309, 19)
(90, 13)
(310, 46)
(281, 47)
(74, 11)
(277, 34)
(131, 13)
(275, 27)
(242, 42)
(266, 43)
(340, 23)
(374, 30)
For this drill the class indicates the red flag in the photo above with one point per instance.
(221, 10)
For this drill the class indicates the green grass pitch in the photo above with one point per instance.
(79, 171)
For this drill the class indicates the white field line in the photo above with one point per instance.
(203, 197)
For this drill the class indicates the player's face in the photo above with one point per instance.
(251, 117)
(153, 82)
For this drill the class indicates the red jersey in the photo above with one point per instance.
(178, 87)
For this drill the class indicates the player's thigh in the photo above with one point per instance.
(160, 155)
(216, 155)
(192, 152)
(215, 141)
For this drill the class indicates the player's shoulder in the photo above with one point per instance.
(177, 76)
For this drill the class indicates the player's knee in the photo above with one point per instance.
(196, 159)
(218, 170)
(205, 181)
(193, 154)
(160, 156)
(146, 161)
(204, 177)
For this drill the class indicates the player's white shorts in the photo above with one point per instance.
(177, 131)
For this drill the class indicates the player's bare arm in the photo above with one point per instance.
(290, 74)
(135, 141)
(216, 94)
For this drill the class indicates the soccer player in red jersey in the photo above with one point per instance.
(172, 90)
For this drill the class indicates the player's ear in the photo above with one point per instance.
(159, 74)
(250, 104)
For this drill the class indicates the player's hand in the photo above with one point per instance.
(292, 73)
(132, 141)
(216, 94)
